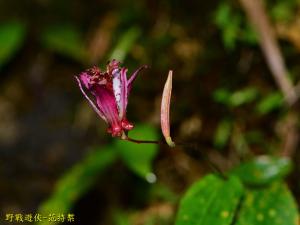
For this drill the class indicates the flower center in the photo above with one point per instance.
(100, 78)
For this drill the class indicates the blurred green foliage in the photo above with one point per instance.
(125, 43)
(272, 101)
(159, 193)
(121, 218)
(263, 170)
(77, 181)
(163, 193)
(223, 133)
(139, 157)
(234, 28)
(66, 40)
(12, 36)
(236, 98)
(282, 10)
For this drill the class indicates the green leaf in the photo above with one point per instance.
(139, 157)
(222, 133)
(236, 98)
(125, 44)
(283, 11)
(222, 14)
(222, 96)
(274, 205)
(243, 96)
(12, 36)
(263, 170)
(210, 201)
(269, 103)
(248, 34)
(228, 23)
(231, 33)
(65, 40)
(76, 182)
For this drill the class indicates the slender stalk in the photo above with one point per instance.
(141, 141)
(258, 17)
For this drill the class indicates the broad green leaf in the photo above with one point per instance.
(269, 103)
(263, 170)
(139, 157)
(65, 40)
(12, 35)
(76, 182)
(273, 205)
(125, 44)
(210, 201)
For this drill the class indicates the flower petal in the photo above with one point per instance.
(107, 104)
(89, 100)
(120, 90)
(133, 77)
(84, 78)
(124, 94)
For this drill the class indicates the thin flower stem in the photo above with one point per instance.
(141, 141)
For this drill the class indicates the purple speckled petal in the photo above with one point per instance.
(107, 104)
(117, 88)
(133, 77)
(89, 100)
(124, 93)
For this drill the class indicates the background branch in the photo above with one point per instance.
(257, 15)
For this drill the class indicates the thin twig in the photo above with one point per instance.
(258, 17)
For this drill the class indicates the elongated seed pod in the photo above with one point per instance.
(165, 110)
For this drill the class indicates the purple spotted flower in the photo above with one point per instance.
(110, 90)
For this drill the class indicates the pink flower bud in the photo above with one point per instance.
(165, 110)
